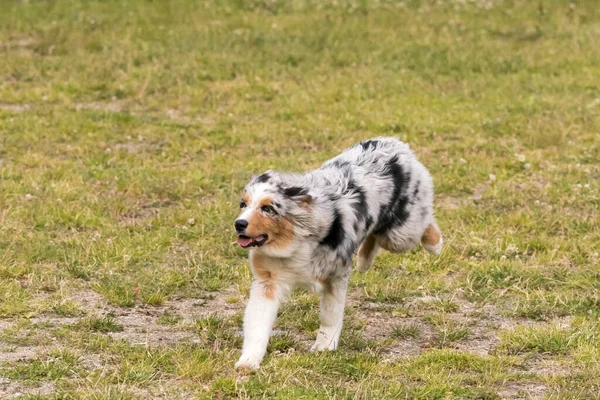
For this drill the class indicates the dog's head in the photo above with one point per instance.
(271, 213)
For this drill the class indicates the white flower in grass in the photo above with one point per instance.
(126, 257)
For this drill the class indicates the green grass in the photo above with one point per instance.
(103, 324)
(406, 331)
(128, 129)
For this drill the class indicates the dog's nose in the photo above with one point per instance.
(240, 225)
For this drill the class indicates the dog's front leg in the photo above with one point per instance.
(259, 317)
(333, 299)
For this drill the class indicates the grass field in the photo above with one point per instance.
(129, 128)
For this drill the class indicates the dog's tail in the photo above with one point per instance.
(432, 239)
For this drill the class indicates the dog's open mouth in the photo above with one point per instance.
(256, 241)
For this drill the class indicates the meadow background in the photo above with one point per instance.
(129, 128)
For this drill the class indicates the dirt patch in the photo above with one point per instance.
(112, 106)
(530, 392)
(135, 147)
(10, 389)
(140, 323)
(139, 335)
(14, 107)
(10, 354)
(548, 367)
(217, 303)
(89, 301)
(5, 325)
(448, 202)
(483, 324)
(17, 43)
(141, 215)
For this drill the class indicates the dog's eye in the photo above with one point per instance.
(268, 209)
(242, 205)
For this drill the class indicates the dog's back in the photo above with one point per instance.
(399, 197)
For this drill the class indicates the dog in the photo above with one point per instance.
(303, 230)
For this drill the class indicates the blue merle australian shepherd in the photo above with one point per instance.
(303, 229)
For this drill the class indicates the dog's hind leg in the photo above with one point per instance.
(432, 239)
(366, 254)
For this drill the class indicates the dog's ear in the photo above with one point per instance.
(264, 177)
(299, 194)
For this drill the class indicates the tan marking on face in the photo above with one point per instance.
(367, 247)
(264, 274)
(431, 236)
(279, 229)
(246, 198)
(266, 202)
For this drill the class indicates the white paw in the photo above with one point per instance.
(324, 343)
(247, 362)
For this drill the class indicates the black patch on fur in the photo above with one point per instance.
(360, 201)
(263, 178)
(395, 213)
(294, 191)
(415, 194)
(369, 144)
(335, 235)
(368, 222)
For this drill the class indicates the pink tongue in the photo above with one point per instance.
(259, 238)
(243, 241)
